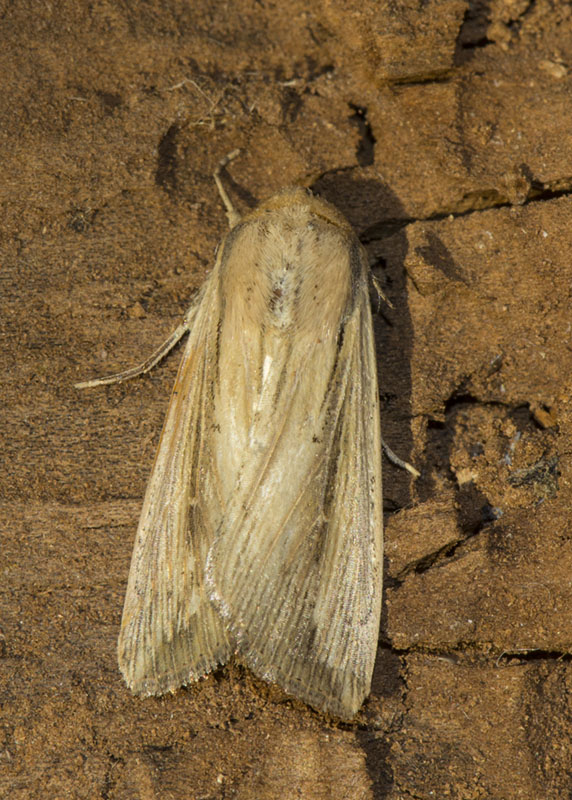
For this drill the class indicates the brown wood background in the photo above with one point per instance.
(443, 130)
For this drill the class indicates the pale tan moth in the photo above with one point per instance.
(261, 529)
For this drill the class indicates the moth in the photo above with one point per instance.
(261, 528)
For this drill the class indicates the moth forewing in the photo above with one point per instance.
(170, 632)
(261, 529)
(295, 569)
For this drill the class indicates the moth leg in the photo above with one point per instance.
(150, 362)
(379, 290)
(398, 461)
(386, 449)
(231, 212)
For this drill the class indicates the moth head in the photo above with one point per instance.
(298, 197)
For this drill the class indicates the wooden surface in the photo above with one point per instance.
(442, 130)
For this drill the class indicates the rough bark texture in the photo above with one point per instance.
(442, 129)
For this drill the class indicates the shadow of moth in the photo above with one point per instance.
(261, 528)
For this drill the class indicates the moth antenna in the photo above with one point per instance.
(231, 212)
